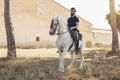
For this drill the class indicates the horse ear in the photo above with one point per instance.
(58, 17)
(54, 15)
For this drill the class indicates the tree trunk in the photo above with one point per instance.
(115, 41)
(11, 53)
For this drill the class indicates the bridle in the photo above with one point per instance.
(56, 28)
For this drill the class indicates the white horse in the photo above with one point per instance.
(64, 42)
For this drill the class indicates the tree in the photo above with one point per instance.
(115, 41)
(117, 19)
(11, 53)
(119, 5)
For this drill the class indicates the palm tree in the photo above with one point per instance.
(115, 41)
(11, 54)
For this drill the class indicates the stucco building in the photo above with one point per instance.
(102, 36)
(31, 21)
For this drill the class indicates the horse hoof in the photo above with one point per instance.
(61, 70)
(80, 68)
(68, 67)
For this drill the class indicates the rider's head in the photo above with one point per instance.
(72, 11)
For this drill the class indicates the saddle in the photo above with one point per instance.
(75, 42)
(73, 35)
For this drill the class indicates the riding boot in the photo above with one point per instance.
(76, 46)
(78, 49)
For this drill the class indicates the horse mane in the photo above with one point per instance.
(51, 24)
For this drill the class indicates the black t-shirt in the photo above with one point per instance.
(72, 21)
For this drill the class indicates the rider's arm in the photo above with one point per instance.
(77, 25)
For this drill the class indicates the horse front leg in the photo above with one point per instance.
(61, 59)
(61, 69)
(72, 60)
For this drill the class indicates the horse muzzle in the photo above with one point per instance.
(51, 32)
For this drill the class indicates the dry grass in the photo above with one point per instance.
(42, 64)
(32, 53)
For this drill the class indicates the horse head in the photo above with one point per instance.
(54, 25)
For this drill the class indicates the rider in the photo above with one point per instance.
(72, 23)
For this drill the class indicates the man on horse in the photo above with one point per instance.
(72, 23)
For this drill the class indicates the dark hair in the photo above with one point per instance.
(73, 9)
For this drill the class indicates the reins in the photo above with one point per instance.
(61, 33)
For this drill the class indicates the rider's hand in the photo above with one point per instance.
(73, 28)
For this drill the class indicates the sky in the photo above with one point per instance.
(93, 11)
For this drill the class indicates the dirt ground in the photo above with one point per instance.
(42, 64)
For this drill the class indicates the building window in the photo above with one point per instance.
(37, 39)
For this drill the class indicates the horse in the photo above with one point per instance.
(64, 42)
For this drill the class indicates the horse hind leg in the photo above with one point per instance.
(72, 60)
(82, 46)
(82, 59)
